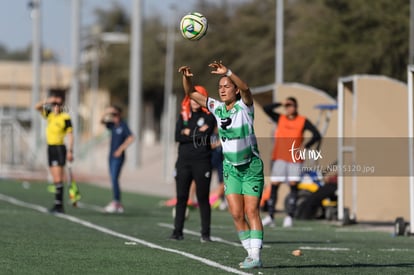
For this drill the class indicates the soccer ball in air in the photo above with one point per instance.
(193, 26)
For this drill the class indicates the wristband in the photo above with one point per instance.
(229, 73)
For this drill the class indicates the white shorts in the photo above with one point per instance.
(283, 171)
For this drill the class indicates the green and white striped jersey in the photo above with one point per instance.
(235, 130)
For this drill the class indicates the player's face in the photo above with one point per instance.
(290, 108)
(194, 105)
(116, 117)
(57, 104)
(227, 90)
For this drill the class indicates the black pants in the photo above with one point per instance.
(186, 171)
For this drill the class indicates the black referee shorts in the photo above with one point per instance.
(56, 155)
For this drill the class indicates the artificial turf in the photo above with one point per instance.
(33, 242)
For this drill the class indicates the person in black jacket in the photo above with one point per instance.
(193, 131)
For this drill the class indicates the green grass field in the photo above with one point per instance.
(86, 241)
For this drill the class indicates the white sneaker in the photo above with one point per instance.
(288, 221)
(119, 209)
(114, 207)
(268, 221)
(223, 205)
(111, 207)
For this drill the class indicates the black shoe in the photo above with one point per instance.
(176, 237)
(56, 209)
(205, 239)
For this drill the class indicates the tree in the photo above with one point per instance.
(16, 55)
(324, 40)
(327, 39)
(241, 37)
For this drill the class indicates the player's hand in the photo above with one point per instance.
(203, 128)
(186, 131)
(110, 110)
(218, 67)
(69, 156)
(118, 153)
(186, 71)
(50, 99)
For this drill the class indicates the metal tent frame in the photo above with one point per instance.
(410, 77)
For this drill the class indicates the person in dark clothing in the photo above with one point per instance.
(193, 133)
(314, 201)
(121, 138)
(286, 165)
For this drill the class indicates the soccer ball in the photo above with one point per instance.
(193, 26)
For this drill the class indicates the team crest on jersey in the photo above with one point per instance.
(211, 105)
(201, 122)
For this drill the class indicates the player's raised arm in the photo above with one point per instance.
(189, 87)
(245, 92)
(41, 105)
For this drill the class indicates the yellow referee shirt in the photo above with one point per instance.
(58, 125)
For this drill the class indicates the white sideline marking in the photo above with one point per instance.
(214, 239)
(395, 249)
(296, 228)
(355, 230)
(91, 207)
(130, 243)
(119, 235)
(190, 232)
(324, 248)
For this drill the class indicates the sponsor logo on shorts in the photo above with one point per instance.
(255, 188)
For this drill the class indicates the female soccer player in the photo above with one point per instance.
(59, 125)
(242, 166)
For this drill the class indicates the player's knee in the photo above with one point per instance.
(238, 216)
(252, 212)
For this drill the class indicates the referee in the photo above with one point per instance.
(59, 126)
